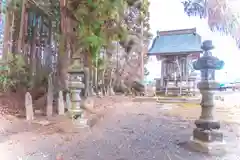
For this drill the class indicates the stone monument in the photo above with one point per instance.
(76, 86)
(29, 107)
(50, 96)
(61, 109)
(68, 103)
(207, 137)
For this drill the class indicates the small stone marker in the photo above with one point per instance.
(100, 94)
(29, 107)
(68, 101)
(50, 97)
(60, 103)
(93, 92)
(112, 93)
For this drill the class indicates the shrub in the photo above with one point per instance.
(14, 73)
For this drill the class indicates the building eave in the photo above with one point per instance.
(174, 53)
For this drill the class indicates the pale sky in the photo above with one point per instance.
(169, 15)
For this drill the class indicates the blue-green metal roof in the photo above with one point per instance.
(175, 43)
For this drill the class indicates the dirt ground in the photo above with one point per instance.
(129, 131)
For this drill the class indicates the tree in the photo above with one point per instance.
(110, 20)
(222, 15)
(86, 27)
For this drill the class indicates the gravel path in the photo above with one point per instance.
(132, 131)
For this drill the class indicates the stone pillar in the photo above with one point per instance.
(207, 137)
(187, 76)
(194, 87)
(162, 74)
(61, 109)
(29, 107)
(68, 101)
(50, 96)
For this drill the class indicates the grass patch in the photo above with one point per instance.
(188, 105)
(181, 104)
(171, 96)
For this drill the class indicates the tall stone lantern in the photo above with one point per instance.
(207, 137)
(76, 86)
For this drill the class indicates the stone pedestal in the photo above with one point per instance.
(217, 148)
(207, 137)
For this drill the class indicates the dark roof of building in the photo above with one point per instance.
(176, 42)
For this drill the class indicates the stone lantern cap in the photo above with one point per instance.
(76, 67)
(207, 45)
(207, 61)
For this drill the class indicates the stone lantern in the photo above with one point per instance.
(207, 137)
(76, 86)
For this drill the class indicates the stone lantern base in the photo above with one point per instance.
(208, 141)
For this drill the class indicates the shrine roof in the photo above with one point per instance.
(183, 41)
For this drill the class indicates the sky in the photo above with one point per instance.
(169, 15)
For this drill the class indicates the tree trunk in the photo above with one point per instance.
(96, 76)
(12, 32)
(63, 61)
(33, 56)
(21, 31)
(91, 73)
(63, 57)
(7, 37)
